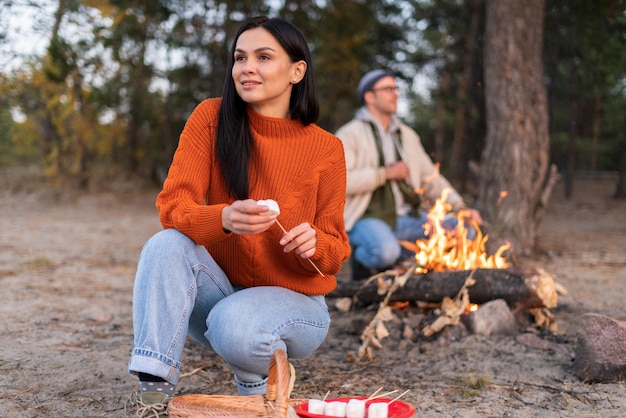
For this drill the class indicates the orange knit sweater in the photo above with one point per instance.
(301, 168)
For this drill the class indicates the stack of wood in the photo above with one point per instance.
(519, 290)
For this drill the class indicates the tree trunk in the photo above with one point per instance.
(515, 159)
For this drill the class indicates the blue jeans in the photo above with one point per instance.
(376, 245)
(180, 290)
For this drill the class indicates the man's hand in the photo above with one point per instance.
(471, 215)
(397, 171)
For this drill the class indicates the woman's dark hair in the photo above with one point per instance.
(234, 137)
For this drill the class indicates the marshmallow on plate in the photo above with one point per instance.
(378, 410)
(355, 408)
(335, 409)
(316, 406)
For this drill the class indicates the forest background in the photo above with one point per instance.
(104, 99)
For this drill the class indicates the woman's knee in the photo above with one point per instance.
(168, 238)
(246, 324)
(166, 243)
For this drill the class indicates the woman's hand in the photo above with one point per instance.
(245, 217)
(302, 239)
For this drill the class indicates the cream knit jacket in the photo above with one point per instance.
(364, 173)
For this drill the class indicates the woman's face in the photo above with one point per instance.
(264, 74)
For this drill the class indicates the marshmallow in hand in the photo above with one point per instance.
(271, 204)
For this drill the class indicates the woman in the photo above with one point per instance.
(223, 270)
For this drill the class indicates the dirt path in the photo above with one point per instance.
(67, 263)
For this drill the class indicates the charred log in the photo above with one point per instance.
(520, 288)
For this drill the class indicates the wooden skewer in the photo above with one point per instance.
(399, 396)
(310, 261)
(374, 394)
(382, 395)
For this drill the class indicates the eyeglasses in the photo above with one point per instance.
(387, 89)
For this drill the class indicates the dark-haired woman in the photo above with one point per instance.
(223, 271)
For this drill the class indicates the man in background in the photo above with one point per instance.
(391, 180)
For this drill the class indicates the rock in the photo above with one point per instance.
(600, 355)
(493, 317)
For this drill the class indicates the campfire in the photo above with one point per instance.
(453, 249)
(451, 277)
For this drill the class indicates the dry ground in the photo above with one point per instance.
(67, 262)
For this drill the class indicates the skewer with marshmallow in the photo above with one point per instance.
(274, 208)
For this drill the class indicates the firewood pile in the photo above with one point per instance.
(485, 301)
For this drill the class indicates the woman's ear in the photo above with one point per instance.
(298, 72)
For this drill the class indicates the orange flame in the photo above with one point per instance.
(472, 307)
(453, 250)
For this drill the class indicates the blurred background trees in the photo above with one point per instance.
(107, 94)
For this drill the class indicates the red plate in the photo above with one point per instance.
(397, 409)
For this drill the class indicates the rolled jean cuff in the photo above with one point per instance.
(247, 389)
(156, 364)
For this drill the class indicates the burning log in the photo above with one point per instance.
(522, 289)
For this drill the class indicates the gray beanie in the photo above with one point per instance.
(368, 81)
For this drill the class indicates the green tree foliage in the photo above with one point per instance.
(451, 121)
(7, 126)
(5, 13)
(349, 39)
(120, 77)
(585, 60)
